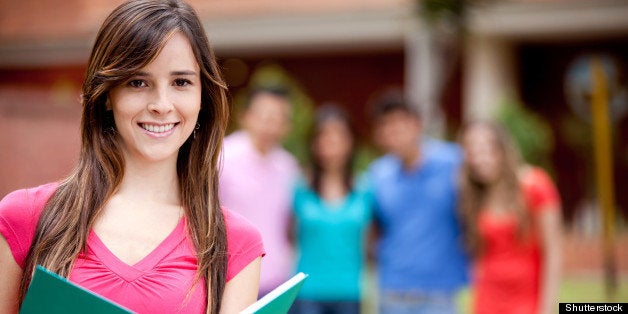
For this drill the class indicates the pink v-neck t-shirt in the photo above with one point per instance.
(159, 283)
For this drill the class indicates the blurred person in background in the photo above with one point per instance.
(137, 220)
(332, 212)
(258, 176)
(421, 263)
(511, 217)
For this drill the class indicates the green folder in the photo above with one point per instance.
(280, 299)
(50, 293)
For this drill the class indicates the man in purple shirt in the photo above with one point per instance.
(257, 179)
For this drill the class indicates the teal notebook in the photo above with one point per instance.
(50, 293)
(280, 299)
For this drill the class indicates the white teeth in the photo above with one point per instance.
(157, 128)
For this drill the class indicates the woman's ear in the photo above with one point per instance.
(108, 104)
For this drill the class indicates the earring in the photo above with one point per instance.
(198, 126)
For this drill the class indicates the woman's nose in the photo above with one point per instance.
(161, 102)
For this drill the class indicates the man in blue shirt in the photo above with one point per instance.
(420, 253)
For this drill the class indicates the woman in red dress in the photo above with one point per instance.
(512, 223)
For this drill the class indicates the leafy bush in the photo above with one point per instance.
(530, 131)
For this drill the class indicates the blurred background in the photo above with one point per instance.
(524, 62)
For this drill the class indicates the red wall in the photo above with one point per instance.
(39, 125)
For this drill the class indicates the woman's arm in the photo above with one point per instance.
(11, 273)
(241, 290)
(551, 238)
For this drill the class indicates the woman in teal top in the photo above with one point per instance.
(332, 214)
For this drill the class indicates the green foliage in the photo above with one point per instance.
(434, 10)
(531, 132)
(573, 288)
(364, 155)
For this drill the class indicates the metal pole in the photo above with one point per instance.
(604, 171)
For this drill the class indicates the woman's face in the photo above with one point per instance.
(333, 143)
(482, 155)
(155, 111)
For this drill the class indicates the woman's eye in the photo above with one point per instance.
(137, 83)
(182, 82)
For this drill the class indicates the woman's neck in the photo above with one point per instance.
(333, 185)
(151, 182)
(497, 197)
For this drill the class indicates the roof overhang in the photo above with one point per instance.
(551, 20)
(366, 30)
(311, 34)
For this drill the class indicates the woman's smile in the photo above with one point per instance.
(158, 129)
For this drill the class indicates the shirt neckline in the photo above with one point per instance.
(132, 272)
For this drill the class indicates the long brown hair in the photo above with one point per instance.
(324, 114)
(473, 193)
(131, 37)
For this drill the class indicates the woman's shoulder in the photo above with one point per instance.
(533, 175)
(302, 182)
(244, 242)
(240, 229)
(31, 195)
(23, 201)
(19, 213)
(539, 189)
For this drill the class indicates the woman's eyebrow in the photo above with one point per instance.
(173, 73)
(183, 72)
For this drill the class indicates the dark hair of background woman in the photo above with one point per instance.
(328, 112)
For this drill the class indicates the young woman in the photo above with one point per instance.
(511, 215)
(332, 213)
(138, 220)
